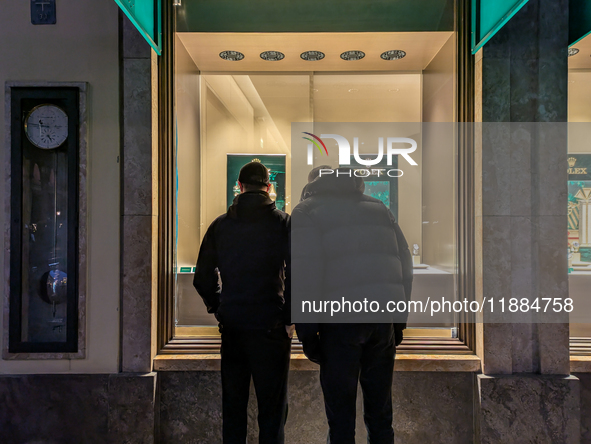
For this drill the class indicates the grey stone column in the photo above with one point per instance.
(138, 209)
(521, 228)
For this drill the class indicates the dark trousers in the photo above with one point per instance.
(351, 353)
(263, 355)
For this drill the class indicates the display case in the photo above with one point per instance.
(45, 185)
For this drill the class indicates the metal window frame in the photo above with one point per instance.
(167, 343)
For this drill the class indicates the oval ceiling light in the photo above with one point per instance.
(233, 56)
(312, 56)
(394, 54)
(272, 56)
(352, 55)
(572, 51)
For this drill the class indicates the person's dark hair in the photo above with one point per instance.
(315, 172)
(253, 187)
(254, 173)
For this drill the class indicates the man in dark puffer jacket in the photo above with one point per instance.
(360, 249)
(249, 247)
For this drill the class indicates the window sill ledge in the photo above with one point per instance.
(580, 364)
(403, 363)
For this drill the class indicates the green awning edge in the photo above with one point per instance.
(476, 46)
(158, 23)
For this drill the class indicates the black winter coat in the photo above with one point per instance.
(249, 247)
(356, 243)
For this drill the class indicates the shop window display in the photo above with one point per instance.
(227, 119)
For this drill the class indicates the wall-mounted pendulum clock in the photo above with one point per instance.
(43, 316)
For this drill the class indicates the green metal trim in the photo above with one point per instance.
(475, 3)
(157, 25)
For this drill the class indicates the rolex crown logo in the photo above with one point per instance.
(259, 160)
(572, 161)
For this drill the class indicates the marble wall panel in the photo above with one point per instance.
(497, 348)
(520, 189)
(74, 409)
(190, 407)
(428, 407)
(550, 180)
(496, 169)
(133, 44)
(136, 157)
(137, 195)
(496, 89)
(585, 384)
(517, 409)
(132, 408)
(64, 409)
(524, 78)
(136, 306)
(496, 261)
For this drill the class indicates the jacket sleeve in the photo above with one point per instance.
(406, 259)
(407, 268)
(307, 269)
(206, 280)
(287, 282)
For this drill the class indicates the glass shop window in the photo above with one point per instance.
(233, 107)
(579, 194)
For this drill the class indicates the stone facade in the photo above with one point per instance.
(74, 409)
(525, 394)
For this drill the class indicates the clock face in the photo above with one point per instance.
(46, 126)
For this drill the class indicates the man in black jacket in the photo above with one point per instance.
(348, 246)
(248, 247)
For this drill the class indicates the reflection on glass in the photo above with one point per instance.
(242, 117)
(44, 245)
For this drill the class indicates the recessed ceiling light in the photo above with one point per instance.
(232, 56)
(312, 56)
(353, 90)
(572, 51)
(394, 54)
(352, 55)
(272, 56)
(394, 90)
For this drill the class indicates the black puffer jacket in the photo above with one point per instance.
(249, 247)
(347, 245)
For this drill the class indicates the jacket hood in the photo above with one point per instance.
(251, 205)
(331, 184)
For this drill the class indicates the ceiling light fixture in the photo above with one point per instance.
(272, 56)
(572, 51)
(232, 56)
(352, 55)
(312, 56)
(394, 54)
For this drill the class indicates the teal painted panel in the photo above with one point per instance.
(146, 17)
(579, 20)
(488, 16)
(315, 15)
